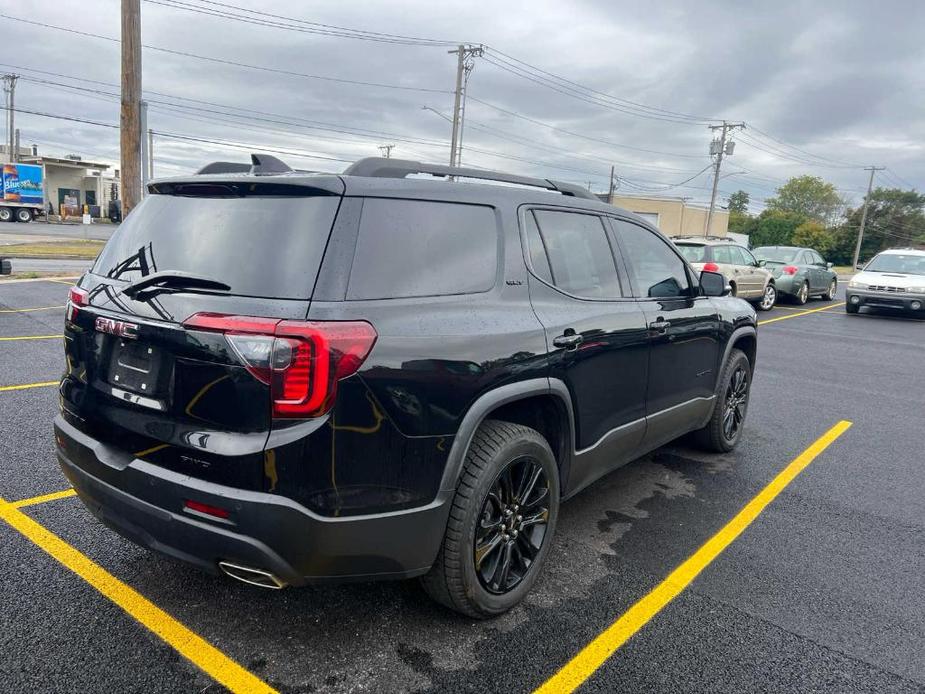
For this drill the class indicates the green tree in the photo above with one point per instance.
(812, 234)
(741, 223)
(810, 197)
(775, 228)
(895, 218)
(738, 203)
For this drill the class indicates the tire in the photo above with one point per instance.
(6, 214)
(833, 288)
(851, 308)
(802, 294)
(769, 299)
(714, 437)
(23, 214)
(497, 449)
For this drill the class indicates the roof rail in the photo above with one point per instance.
(703, 236)
(379, 167)
(261, 164)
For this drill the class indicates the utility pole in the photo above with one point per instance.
(465, 62)
(145, 152)
(386, 150)
(870, 187)
(719, 148)
(10, 89)
(150, 154)
(130, 121)
(610, 192)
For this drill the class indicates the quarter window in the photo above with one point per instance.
(658, 270)
(578, 253)
(411, 248)
(723, 254)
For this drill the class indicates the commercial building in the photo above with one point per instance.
(72, 182)
(673, 216)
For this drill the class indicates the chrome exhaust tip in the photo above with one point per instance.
(254, 577)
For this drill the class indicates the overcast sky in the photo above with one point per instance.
(842, 81)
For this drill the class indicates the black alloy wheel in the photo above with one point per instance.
(512, 526)
(735, 403)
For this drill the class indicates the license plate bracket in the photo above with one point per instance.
(136, 367)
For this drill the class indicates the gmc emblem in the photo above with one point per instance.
(117, 327)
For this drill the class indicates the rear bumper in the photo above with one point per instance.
(145, 504)
(914, 303)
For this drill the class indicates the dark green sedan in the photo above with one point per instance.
(799, 273)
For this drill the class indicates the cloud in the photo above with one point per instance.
(839, 81)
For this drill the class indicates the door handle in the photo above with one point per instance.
(570, 341)
(660, 325)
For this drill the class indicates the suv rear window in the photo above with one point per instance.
(693, 253)
(263, 246)
(409, 248)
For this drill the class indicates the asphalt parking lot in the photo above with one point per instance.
(823, 591)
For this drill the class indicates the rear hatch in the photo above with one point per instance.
(151, 368)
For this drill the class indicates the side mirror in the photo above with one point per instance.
(829, 266)
(713, 284)
(859, 266)
(761, 263)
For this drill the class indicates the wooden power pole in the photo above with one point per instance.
(870, 188)
(130, 122)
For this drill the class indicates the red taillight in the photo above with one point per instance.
(301, 361)
(789, 270)
(207, 509)
(710, 267)
(76, 297)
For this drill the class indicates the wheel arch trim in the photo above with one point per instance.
(480, 410)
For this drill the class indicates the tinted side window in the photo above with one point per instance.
(806, 258)
(817, 258)
(580, 257)
(417, 248)
(658, 269)
(538, 258)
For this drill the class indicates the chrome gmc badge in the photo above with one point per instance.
(118, 328)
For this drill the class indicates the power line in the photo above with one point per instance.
(571, 133)
(223, 61)
(303, 25)
(803, 151)
(678, 114)
(580, 96)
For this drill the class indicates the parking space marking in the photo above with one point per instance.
(27, 310)
(26, 386)
(35, 500)
(31, 337)
(801, 313)
(186, 642)
(574, 673)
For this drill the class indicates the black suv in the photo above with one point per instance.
(295, 377)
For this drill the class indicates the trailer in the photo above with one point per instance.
(23, 193)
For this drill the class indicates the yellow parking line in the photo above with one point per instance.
(26, 310)
(186, 642)
(54, 496)
(592, 656)
(31, 337)
(801, 313)
(24, 386)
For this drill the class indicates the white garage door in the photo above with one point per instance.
(650, 217)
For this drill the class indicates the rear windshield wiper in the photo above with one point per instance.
(168, 279)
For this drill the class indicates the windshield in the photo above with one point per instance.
(262, 246)
(775, 255)
(896, 262)
(693, 253)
